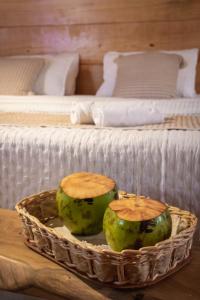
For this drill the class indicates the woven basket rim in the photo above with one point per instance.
(97, 248)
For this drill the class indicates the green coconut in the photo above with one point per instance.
(82, 199)
(136, 222)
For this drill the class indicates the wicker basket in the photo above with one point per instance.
(129, 268)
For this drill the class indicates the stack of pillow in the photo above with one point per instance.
(164, 74)
(51, 74)
(146, 68)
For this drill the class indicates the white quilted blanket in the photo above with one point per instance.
(162, 164)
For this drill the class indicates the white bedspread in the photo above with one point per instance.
(162, 164)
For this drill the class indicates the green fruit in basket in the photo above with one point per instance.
(82, 199)
(136, 222)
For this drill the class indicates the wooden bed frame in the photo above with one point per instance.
(93, 27)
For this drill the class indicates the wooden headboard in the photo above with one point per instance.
(93, 27)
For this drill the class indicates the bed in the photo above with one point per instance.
(34, 155)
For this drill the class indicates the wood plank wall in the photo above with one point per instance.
(93, 27)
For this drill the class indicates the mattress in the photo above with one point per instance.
(163, 163)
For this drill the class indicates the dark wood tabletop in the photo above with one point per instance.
(20, 266)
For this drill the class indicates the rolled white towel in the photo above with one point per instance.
(81, 113)
(119, 114)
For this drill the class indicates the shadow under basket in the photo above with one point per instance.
(93, 260)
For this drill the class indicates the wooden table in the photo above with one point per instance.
(27, 272)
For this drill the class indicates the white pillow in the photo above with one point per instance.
(186, 76)
(58, 76)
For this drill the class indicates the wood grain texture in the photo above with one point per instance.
(65, 12)
(21, 268)
(89, 79)
(93, 41)
(85, 185)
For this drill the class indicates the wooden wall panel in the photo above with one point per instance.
(89, 79)
(66, 12)
(93, 27)
(92, 41)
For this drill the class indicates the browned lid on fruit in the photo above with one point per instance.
(137, 208)
(86, 185)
